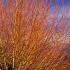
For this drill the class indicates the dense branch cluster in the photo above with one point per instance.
(34, 35)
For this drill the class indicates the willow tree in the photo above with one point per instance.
(31, 33)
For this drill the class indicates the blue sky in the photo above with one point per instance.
(59, 2)
(66, 2)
